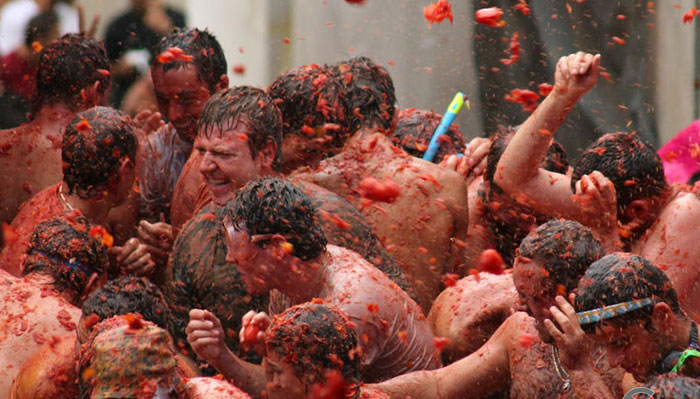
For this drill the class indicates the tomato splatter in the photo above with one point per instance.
(618, 40)
(522, 7)
(99, 233)
(545, 89)
(440, 343)
(250, 334)
(450, 279)
(334, 388)
(37, 47)
(526, 98)
(173, 54)
(491, 261)
(690, 15)
(437, 12)
(375, 190)
(239, 69)
(526, 340)
(490, 17)
(514, 49)
(83, 126)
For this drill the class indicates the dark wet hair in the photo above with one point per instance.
(39, 27)
(415, 129)
(311, 96)
(368, 92)
(622, 277)
(555, 160)
(63, 249)
(314, 338)
(273, 205)
(67, 66)
(208, 56)
(674, 386)
(94, 144)
(631, 164)
(129, 295)
(564, 249)
(264, 120)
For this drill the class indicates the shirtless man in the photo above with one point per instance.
(636, 195)
(73, 75)
(239, 141)
(63, 264)
(469, 311)
(309, 349)
(128, 357)
(521, 354)
(189, 67)
(415, 128)
(183, 84)
(98, 150)
(425, 224)
(646, 339)
(274, 239)
(51, 371)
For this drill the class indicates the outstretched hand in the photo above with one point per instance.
(206, 336)
(576, 74)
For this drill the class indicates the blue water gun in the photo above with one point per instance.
(447, 119)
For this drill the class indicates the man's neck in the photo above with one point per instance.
(55, 114)
(316, 282)
(95, 211)
(681, 337)
(368, 140)
(45, 280)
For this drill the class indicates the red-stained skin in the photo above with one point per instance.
(33, 314)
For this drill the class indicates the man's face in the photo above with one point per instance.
(299, 150)
(282, 383)
(181, 97)
(256, 266)
(226, 161)
(535, 294)
(632, 347)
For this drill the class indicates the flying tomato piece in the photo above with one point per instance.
(490, 17)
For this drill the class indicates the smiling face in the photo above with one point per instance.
(536, 292)
(181, 97)
(226, 161)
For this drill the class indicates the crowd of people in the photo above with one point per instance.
(290, 242)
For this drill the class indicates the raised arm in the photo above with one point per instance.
(518, 172)
(477, 375)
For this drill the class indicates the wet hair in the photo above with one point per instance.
(262, 117)
(674, 386)
(694, 178)
(622, 277)
(631, 164)
(368, 92)
(415, 129)
(273, 205)
(129, 295)
(40, 27)
(66, 67)
(555, 160)
(206, 52)
(564, 249)
(94, 144)
(313, 339)
(310, 97)
(63, 249)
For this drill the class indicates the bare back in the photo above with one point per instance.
(32, 316)
(419, 226)
(30, 160)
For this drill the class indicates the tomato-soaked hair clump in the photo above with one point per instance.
(415, 129)
(315, 339)
(66, 67)
(564, 249)
(250, 106)
(94, 145)
(631, 164)
(310, 99)
(369, 94)
(275, 206)
(64, 250)
(623, 277)
(129, 295)
(202, 50)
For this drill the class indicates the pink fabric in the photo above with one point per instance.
(681, 155)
